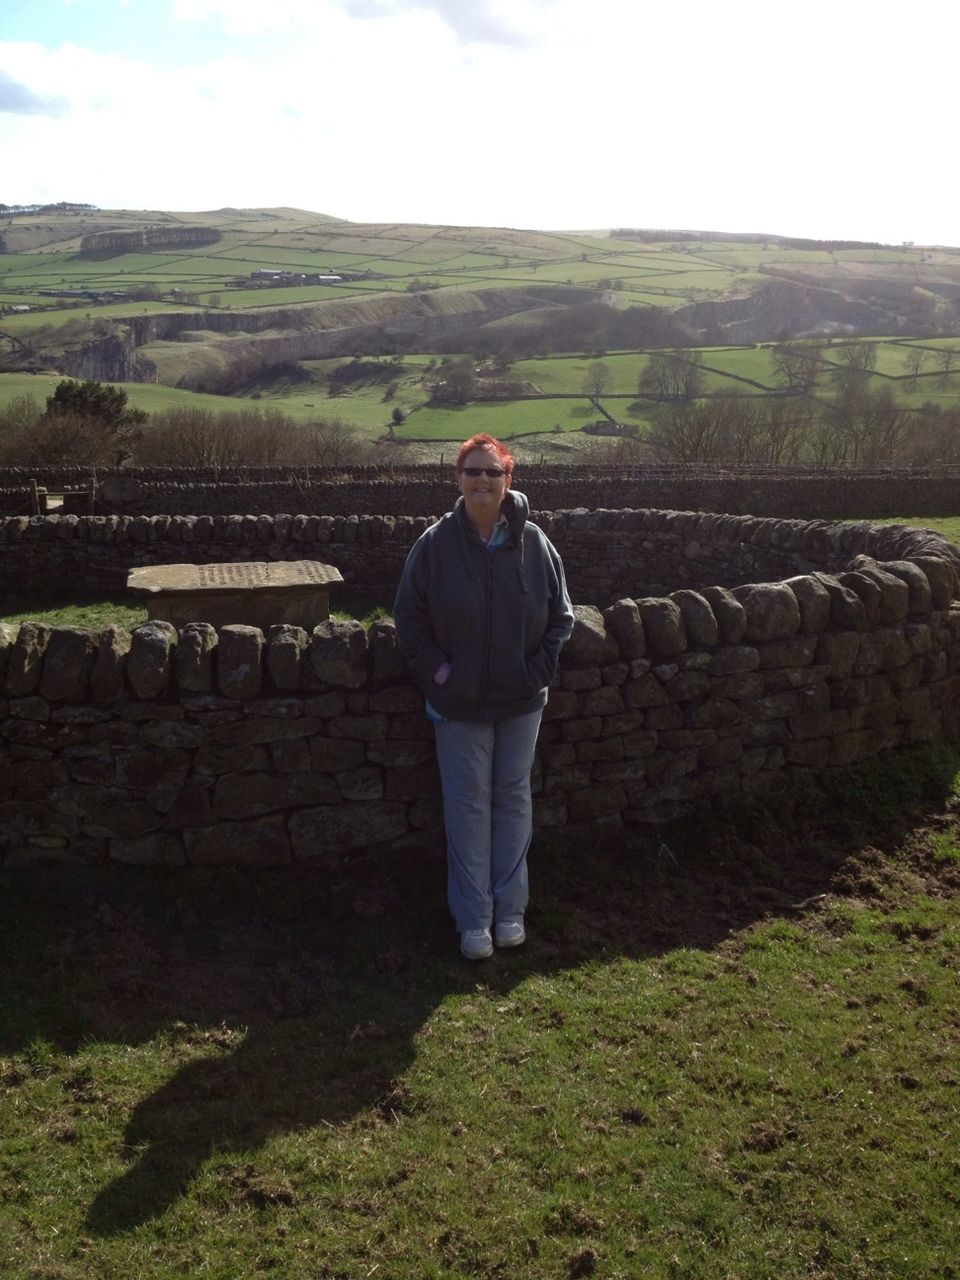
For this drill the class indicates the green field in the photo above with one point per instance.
(738, 1060)
(519, 418)
(541, 268)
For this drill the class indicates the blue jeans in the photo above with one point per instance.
(488, 814)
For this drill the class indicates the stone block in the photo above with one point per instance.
(148, 770)
(196, 645)
(332, 755)
(771, 608)
(67, 664)
(723, 751)
(158, 849)
(125, 819)
(263, 843)
(8, 636)
(814, 602)
(596, 801)
(107, 677)
(371, 728)
(640, 744)
(239, 661)
(668, 766)
(666, 717)
(190, 807)
(700, 625)
(729, 613)
(849, 748)
(847, 612)
(722, 714)
(338, 653)
(364, 783)
(942, 578)
(251, 795)
(867, 591)
(920, 596)
(663, 626)
(750, 684)
(603, 749)
(578, 679)
(590, 643)
(412, 783)
(687, 686)
(292, 755)
(838, 650)
(647, 691)
(286, 645)
(25, 658)
(601, 702)
(894, 594)
(149, 661)
(34, 708)
(259, 729)
(397, 698)
(734, 658)
(820, 724)
(623, 621)
(798, 652)
(336, 828)
(388, 666)
(581, 729)
(214, 758)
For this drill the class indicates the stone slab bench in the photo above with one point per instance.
(252, 593)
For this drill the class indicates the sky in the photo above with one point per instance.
(823, 119)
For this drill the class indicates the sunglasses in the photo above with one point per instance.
(494, 473)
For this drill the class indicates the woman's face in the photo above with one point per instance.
(483, 494)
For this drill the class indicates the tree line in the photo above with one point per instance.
(91, 423)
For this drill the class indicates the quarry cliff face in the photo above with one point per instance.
(785, 307)
(288, 333)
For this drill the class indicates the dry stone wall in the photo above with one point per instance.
(607, 554)
(421, 491)
(200, 747)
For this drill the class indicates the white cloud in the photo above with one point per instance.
(550, 113)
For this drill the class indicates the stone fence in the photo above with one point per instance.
(203, 747)
(420, 491)
(607, 554)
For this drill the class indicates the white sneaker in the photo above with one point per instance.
(476, 944)
(510, 934)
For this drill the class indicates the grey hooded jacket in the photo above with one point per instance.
(498, 617)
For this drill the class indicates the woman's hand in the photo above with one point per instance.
(441, 673)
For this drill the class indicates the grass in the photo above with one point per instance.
(95, 613)
(504, 419)
(733, 1057)
(949, 526)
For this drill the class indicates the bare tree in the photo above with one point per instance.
(854, 361)
(914, 361)
(797, 366)
(672, 376)
(596, 380)
(946, 358)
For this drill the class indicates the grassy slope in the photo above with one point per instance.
(453, 257)
(685, 1073)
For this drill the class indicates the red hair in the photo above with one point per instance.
(483, 441)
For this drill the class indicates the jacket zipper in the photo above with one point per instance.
(488, 637)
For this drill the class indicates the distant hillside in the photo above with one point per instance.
(123, 293)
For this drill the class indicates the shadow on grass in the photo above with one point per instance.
(324, 976)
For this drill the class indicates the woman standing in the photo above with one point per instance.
(482, 612)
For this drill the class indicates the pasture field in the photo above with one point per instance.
(738, 1060)
(566, 375)
(504, 420)
(155, 397)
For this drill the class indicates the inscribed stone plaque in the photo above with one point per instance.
(257, 594)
